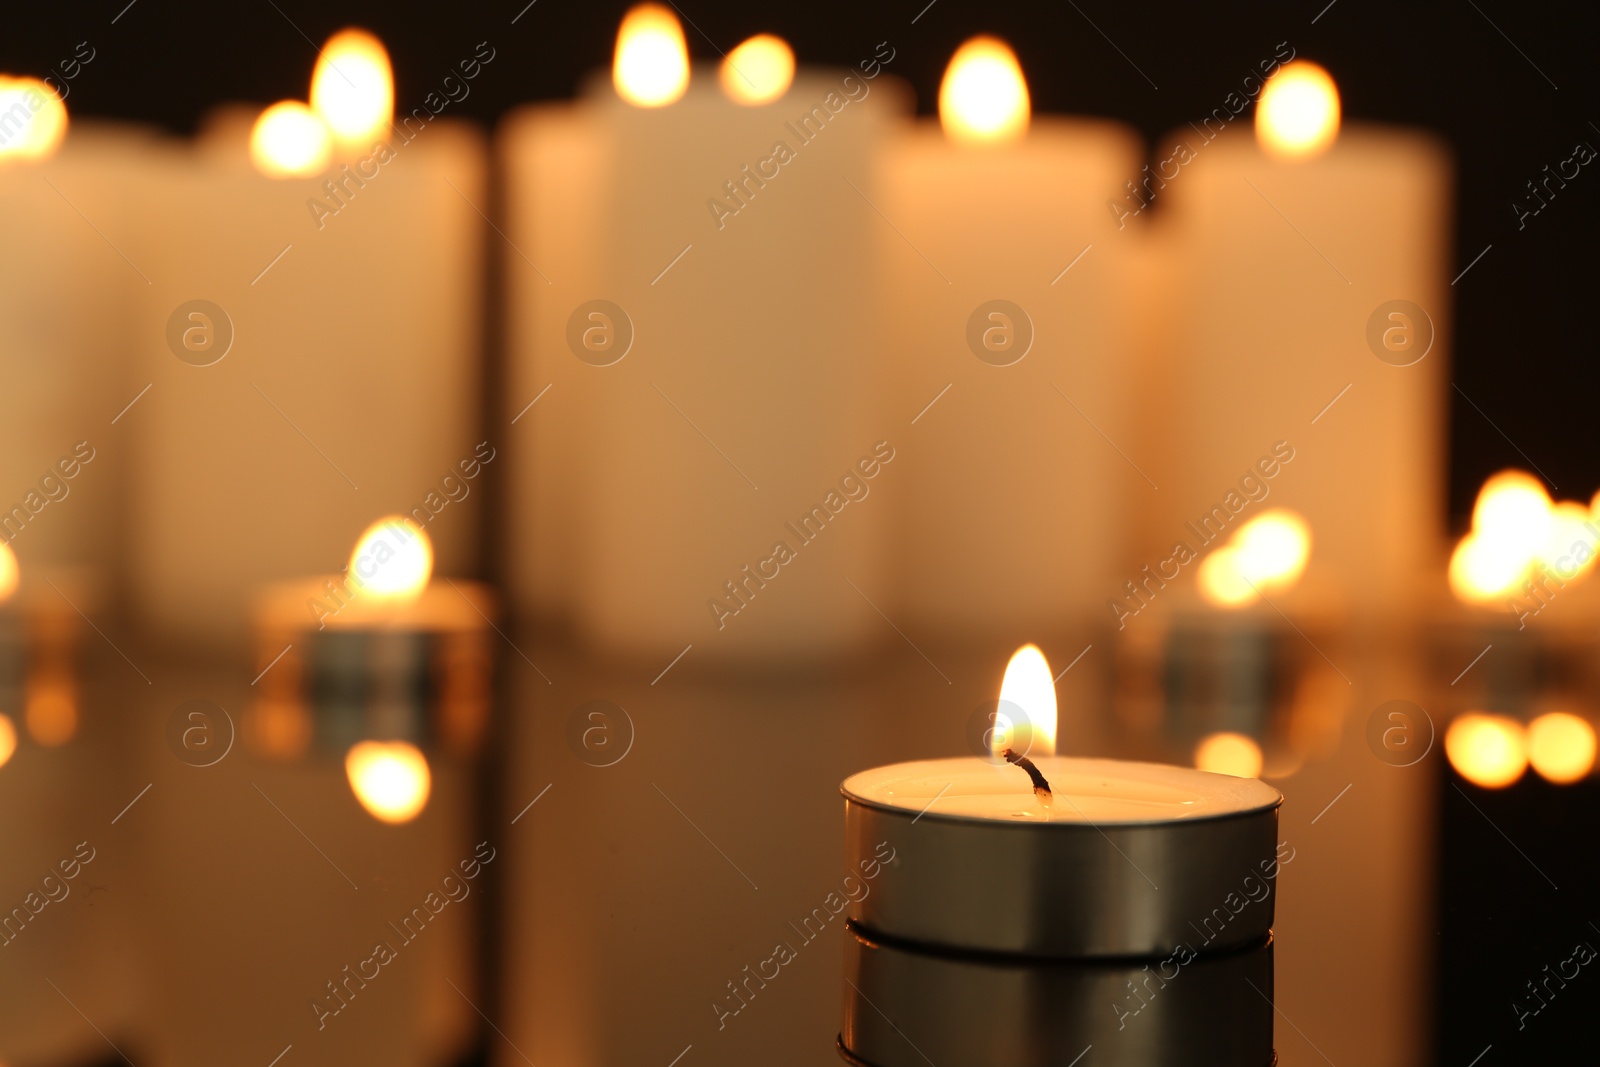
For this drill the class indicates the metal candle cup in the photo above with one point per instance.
(1121, 863)
(1128, 908)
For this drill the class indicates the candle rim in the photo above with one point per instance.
(1271, 798)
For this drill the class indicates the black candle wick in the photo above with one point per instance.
(1040, 786)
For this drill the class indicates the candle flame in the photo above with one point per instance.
(1298, 114)
(984, 97)
(1569, 547)
(1561, 747)
(1027, 685)
(1229, 753)
(393, 559)
(290, 140)
(1268, 552)
(1487, 750)
(9, 573)
(1513, 524)
(651, 68)
(8, 739)
(390, 778)
(758, 71)
(33, 119)
(352, 88)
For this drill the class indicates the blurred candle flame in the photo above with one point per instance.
(758, 71)
(1487, 750)
(33, 119)
(290, 140)
(984, 97)
(393, 559)
(389, 778)
(1298, 114)
(1028, 685)
(1516, 527)
(9, 574)
(651, 68)
(1561, 747)
(1569, 545)
(8, 739)
(1229, 753)
(352, 88)
(1268, 552)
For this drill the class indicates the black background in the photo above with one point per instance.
(1523, 314)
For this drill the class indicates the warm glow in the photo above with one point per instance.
(1298, 114)
(1028, 685)
(390, 778)
(651, 68)
(1569, 545)
(393, 558)
(1513, 525)
(352, 88)
(758, 71)
(1222, 580)
(33, 119)
(1486, 750)
(290, 141)
(1483, 571)
(1513, 507)
(1268, 552)
(984, 98)
(1561, 747)
(8, 739)
(1273, 548)
(52, 709)
(1229, 753)
(9, 574)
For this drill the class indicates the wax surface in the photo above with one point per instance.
(1084, 790)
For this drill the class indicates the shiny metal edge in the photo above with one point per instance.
(1059, 890)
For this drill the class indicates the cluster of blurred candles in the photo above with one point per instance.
(1518, 534)
(1523, 551)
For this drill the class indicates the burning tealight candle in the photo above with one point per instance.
(1060, 869)
(376, 663)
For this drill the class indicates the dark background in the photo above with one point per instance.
(1523, 312)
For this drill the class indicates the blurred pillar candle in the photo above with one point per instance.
(684, 285)
(65, 191)
(311, 342)
(1308, 361)
(65, 285)
(1004, 350)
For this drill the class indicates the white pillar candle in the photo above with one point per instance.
(327, 377)
(1006, 348)
(64, 288)
(1307, 358)
(65, 285)
(735, 397)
